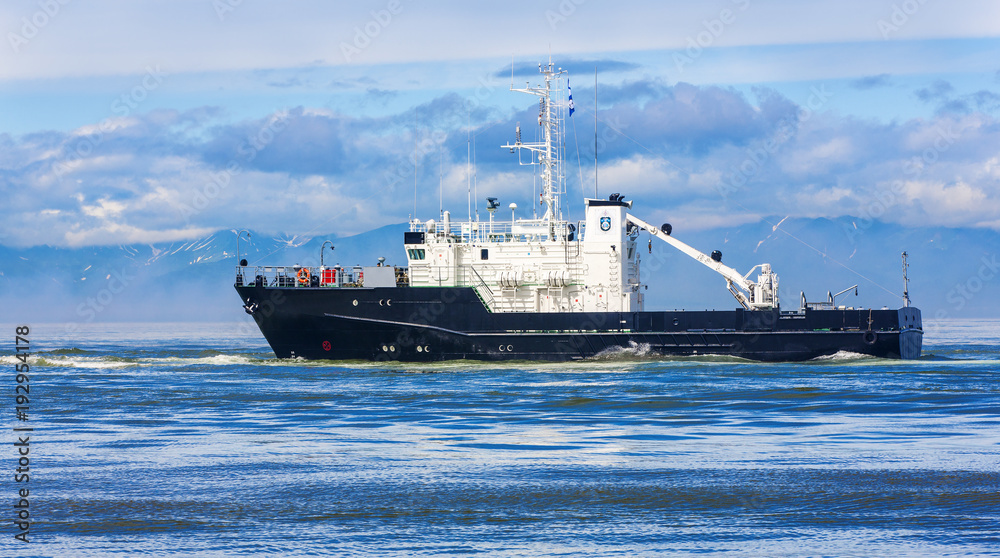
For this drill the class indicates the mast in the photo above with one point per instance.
(906, 283)
(549, 155)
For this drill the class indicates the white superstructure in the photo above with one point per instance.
(549, 264)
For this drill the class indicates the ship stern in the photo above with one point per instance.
(911, 333)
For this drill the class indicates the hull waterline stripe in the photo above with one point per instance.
(601, 333)
(391, 322)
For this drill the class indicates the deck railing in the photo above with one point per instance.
(310, 276)
(500, 231)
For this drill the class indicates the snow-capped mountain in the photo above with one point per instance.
(954, 273)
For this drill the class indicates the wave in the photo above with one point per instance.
(63, 361)
(116, 362)
(842, 356)
(215, 358)
(633, 351)
(641, 353)
(67, 352)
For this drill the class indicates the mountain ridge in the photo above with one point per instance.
(953, 272)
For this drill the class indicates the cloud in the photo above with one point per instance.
(287, 82)
(938, 91)
(583, 67)
(381, 94)
(871, 82)
(702, 154)
(196, 37)
(943, 94)
(986, 101)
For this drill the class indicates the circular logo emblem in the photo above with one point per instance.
(605, 224)
(327, 346)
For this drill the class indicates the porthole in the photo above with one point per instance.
(355, 302)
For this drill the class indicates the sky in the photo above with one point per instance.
(159, 121)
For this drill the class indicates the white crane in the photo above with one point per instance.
(760, 295)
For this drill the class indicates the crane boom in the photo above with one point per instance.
(762, 294)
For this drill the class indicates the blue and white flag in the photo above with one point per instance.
(572, 109)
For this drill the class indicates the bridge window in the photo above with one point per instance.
(415, 253)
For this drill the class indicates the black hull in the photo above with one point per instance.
(446, 323)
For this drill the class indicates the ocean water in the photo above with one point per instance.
(192, 440)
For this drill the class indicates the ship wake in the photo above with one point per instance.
(634, 350)
(841, 356)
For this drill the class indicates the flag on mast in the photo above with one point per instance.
(572, 109)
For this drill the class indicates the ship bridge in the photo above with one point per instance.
(533, 265)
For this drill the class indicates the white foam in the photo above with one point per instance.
(63, 361)
(214, 360)
(104, 362)
(843, 355)
(633, 350)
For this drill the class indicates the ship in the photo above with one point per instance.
(546, 288)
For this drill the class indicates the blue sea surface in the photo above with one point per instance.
(193, 440)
